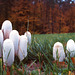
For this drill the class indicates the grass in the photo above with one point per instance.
(0, 66)
(41, 51)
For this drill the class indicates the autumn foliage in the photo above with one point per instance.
(45, 16)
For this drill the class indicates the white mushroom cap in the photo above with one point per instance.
(14, 36)
(58, 46)
(71, 47)
(22, 53)
(1, 42)
(8, 52)
(6, 28)
(28, 34)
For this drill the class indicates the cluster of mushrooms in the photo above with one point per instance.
(70, 48)
(12, 44)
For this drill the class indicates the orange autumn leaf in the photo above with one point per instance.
(71, 73)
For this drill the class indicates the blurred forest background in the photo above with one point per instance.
(45, 16)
